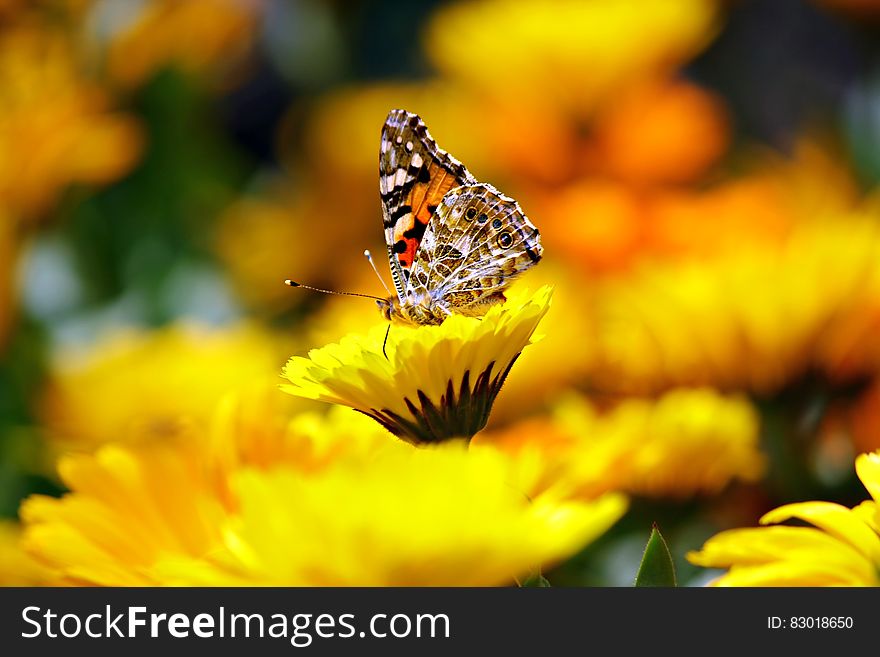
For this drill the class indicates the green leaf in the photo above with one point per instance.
(656, 568)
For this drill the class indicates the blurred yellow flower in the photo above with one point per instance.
(129, 510)
(203, 37)
(685, 443)
(261, 241)
(438, 382)
(841, 549)
(250, 431)
(753, 319)
(436, 516)
(265, 239)
(154, 385)
(56, 128)
(18, 568)
(569, 52)
(154, 515)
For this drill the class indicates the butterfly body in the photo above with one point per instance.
(454, 243)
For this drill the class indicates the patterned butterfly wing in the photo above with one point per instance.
(478, 242)
(414, 176)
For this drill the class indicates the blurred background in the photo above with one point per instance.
(701, 171)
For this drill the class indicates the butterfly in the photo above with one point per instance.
(454, 243)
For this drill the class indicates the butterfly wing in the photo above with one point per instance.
(414, 176)
(478, 241)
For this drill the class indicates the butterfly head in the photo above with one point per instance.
(417, 312)
(388, 307)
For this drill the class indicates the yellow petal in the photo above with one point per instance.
(835, 519)
(868, 469)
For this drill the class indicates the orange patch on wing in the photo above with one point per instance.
(406, 258)
(423, 198)
(424, 215)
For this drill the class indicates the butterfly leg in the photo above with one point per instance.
(385, 341)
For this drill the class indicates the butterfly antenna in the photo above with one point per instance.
(369, 257)
(318, 289)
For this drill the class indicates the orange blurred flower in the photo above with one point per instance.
(202, 37)
(56, 128)
(659, 133)
(607, 226)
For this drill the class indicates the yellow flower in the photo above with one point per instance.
(17, 568)
(437, 382)
(128, 511)
(686, 442)
(56, 128)
(754, 318)
(161, 385)
(438, 516)
(249, 430)
(568, 52)
(841, 549)
(395, 515)
(199, 36)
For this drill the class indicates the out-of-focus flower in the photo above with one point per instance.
(659, 133)
(154, 515)
(18, 568)
(608, 226)
(605, 227)
(261, 241)
(437, 516)
(161, 385)
(438, 382)
(265, 240)
(203, 37)
(841, 549)
(590, 47)
(130, 510)
(250, 431)
(754, 319)
(684, 443)
(56, 127)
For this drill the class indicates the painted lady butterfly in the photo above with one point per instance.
(454, 243)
